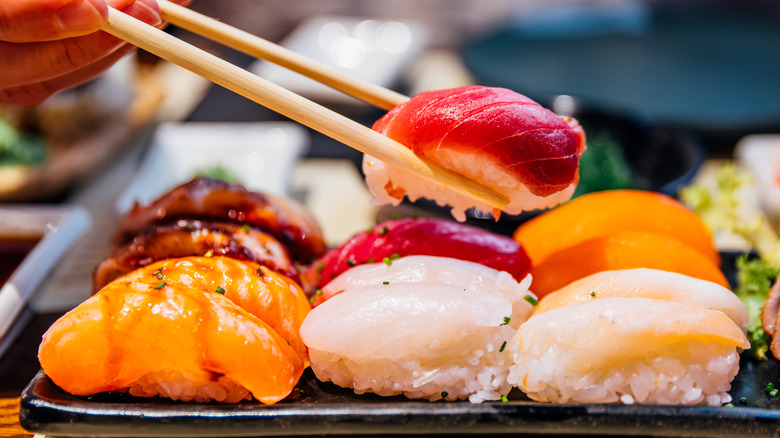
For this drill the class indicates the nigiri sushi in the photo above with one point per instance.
(628, 350)
(441, 270)
(273, 298)
(420, 236)
(215, 200)
(169, 341)
(494, 136)
(649, 283)
(189, 237)
(431, 341)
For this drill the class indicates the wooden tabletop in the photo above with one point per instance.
(17, 368)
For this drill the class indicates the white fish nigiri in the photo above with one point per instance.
(632, 350)
(422, 340)
(442, 270)
(649, 283)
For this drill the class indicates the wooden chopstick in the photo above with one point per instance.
(291, 105)
(255, 46)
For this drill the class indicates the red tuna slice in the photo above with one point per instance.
(434, 237)
(514, 133)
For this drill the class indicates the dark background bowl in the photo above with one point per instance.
(663, 160)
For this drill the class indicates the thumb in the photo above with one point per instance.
(45, 20)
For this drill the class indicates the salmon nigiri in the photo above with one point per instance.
(168, 340)
(272, 297)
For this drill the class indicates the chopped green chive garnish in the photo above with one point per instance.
(743, 400)
(444, 394)
(260, 272)
(385, 283)
(318, 292)
(504, 399)
(312, 299)
(506, 320)
(371, 260)
(387, 261)
(533, 301)
(728, 405)
(769, 386)
(773, 393)
(351, 263)
(395, 216)
(158, 273)
(189, 227)
(220, 290)
(160, 285)
(245, 228)
(395, 256)
(209, 253)
(382, 231)
(502, 347)
(593, 294)
(320, 267)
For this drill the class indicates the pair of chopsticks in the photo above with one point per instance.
(281, 100)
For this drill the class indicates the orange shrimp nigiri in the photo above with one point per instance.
(168, 340)
(272, 297)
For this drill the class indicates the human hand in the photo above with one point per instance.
(50, 45)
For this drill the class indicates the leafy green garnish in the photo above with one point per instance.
(603, 166)
(220, 173)
(17, 148)
(754, 279)
(720, 207)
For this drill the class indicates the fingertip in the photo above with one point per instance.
(80, 17)
(147, 11)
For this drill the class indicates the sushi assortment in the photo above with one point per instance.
(216, 293)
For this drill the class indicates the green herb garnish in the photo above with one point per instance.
(382, 231)
(444, 394)
(220, 290)
(209, 253)
(593, 294)
(385, 283)
(506, 320)
(245, 228)
(318, 292)
(218, 172)
(504, 399)
(531, 300)
(160, 285)
(500, 350)
(351, 263)
(387, 261)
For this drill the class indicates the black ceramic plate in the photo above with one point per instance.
(317, 408)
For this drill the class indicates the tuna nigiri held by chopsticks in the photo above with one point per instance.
(494, 136)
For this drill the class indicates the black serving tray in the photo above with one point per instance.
(316, 409)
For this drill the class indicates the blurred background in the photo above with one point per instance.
(666, 90)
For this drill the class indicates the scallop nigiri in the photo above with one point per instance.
(272, 297)
(423, 340)
(494, 136)
(649, 283)
(171, 341)
(440, 270)
(629, 350)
